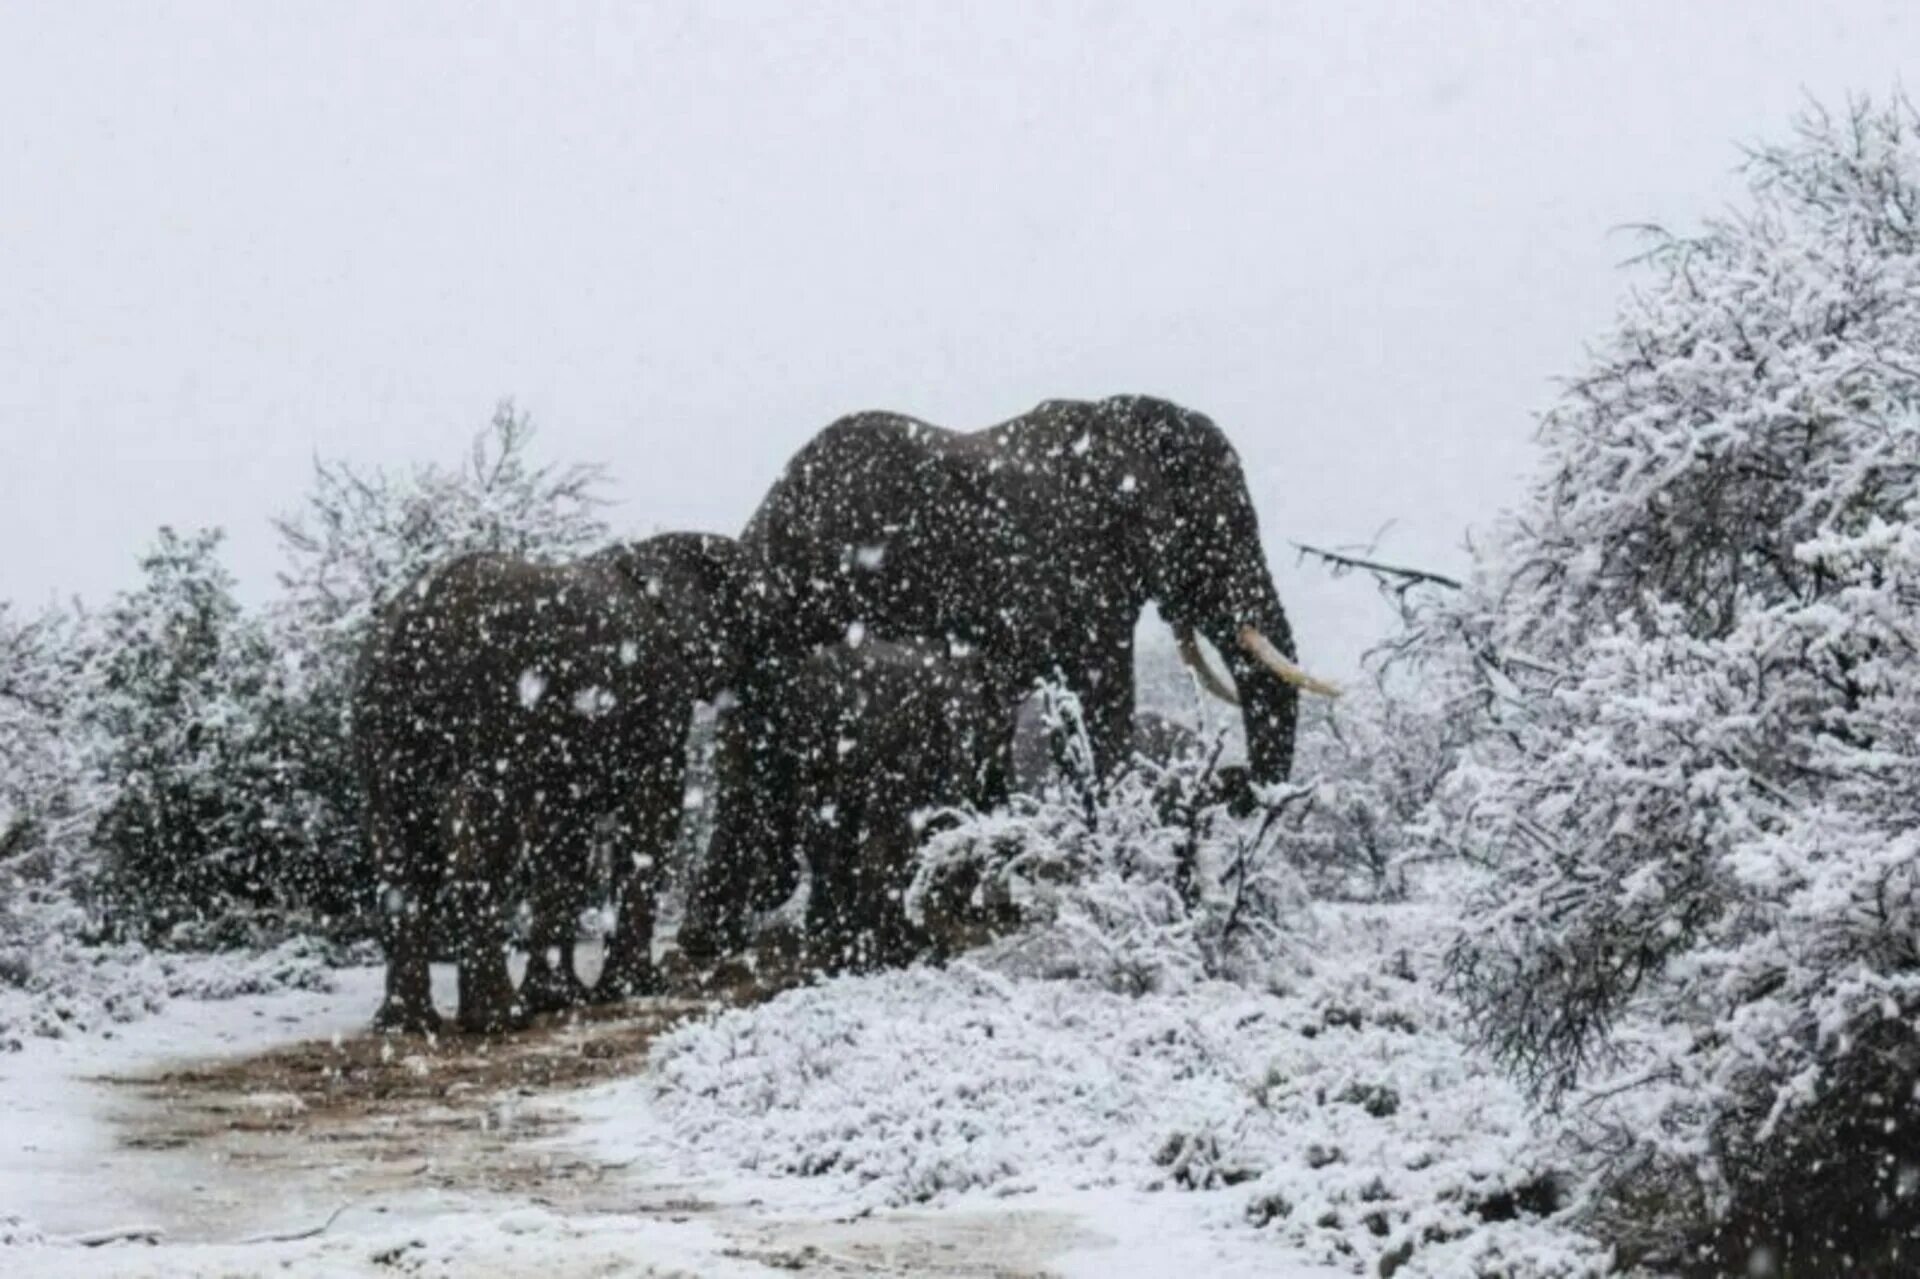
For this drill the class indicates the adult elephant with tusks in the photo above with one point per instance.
(506, 712)
(1035, 543)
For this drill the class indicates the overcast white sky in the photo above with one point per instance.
(1365, 238)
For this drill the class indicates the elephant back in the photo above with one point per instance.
(496, 657)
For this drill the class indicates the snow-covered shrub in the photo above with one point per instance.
(1142, 882)
(1342, 1117)
(299, 963)
(359, 536)
(71, 986)
(1371, 765)
(68, 790)
(1701, 779)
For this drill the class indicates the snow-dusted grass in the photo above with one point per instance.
(66, 988)
(1343, 1116)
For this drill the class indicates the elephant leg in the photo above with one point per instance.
(483, 841)
(749, 865)
(886, 859)
(648, 825)
(821, 812)
(407, 932)
(990, 784)
(552, 983)
(892, 939)
(1105, 686)
(408, 858)
(830, 821)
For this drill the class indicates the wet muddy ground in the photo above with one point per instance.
(282, 1142)
(369, 1115)
(400, 1113)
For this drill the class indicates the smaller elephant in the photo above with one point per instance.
(886, 732)
(506, 712)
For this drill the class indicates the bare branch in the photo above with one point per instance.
(296, 1235)
(1409, 576)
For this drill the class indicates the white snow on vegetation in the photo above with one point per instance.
(1343, 1116)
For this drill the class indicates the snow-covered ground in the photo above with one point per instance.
(957, 1122)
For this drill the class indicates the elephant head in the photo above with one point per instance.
(1201, 555)
(699, 582)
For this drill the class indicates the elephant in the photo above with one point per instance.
(1036, 542)
(505, 705)
(886, 733)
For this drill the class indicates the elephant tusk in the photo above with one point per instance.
(1270, 657)
(1209, 678)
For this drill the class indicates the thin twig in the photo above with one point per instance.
(1412, 576)
(294, 1236)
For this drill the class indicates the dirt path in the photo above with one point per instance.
(374, 1119)
(280, 1141)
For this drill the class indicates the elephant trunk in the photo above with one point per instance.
(1269, 705)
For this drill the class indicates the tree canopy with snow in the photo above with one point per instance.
(1695, 642)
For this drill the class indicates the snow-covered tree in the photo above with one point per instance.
(41, 662)
(1696, 648)
(359, 536)
(48, 801)
(192, 823)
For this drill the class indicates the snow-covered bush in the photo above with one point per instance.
(1341, 1117)
(1370, 766)
(359, 536)
(1368, 763)
(63, 784)
(71, 986)
(1701, 777)
(77, 802)
(1142, 882)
